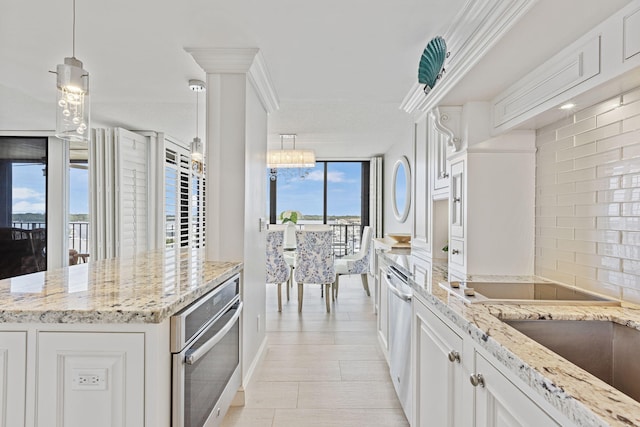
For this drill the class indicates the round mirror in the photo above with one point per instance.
(401, 197)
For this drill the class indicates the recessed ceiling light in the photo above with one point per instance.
(567, 106)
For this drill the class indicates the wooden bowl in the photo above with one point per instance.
(400, 237)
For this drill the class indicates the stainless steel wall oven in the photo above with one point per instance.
(205, 347)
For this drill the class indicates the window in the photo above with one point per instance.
(78, 226)
(23, 201)
(335, 193)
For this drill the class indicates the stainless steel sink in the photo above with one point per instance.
(605, 349)
(523, 293)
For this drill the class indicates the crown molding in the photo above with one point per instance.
(249, 61)
(473, 32)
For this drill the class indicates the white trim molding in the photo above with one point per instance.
(248, 61)
(473, 32)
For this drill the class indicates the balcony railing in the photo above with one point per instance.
(78, 233)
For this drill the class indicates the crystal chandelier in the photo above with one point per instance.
(290, 158)
(290, 164)
(72, 106)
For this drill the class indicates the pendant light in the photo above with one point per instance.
(290, 158)
(72, 106)
(290, 164)
(197, 148)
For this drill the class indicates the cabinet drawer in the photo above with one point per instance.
(456, 252)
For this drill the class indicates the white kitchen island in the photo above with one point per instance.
(89, 344)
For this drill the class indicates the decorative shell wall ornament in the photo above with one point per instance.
(432, 63)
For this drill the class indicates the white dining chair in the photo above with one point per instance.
(277, 269)
(357, 263)
(314, 262)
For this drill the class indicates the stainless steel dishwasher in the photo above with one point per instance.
(400, 295)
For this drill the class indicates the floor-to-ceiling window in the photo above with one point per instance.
(335, 193)
(23, 205)
(78, 209)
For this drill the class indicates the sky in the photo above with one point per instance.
(306, 195)
(29, 189)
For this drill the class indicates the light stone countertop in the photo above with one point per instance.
(580, 396)
(147, 288)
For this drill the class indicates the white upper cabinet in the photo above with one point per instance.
(444, 138)
(421, 236)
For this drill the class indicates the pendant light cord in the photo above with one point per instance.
(197, 115)
(74, 30)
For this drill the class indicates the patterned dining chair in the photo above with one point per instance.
(314, 262)
(357, 263)
(278, 271)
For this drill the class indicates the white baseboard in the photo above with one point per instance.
(239, 399)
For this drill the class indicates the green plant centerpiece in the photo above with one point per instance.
(290, 216)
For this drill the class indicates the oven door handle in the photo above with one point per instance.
(192, 357)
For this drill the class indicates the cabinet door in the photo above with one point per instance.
(438, 371)
(421, 196)
(13, 356)
(90, 379)
(438, 142)
(499, 403)
(383, 312)
(457, 199)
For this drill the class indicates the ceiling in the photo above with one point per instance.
(340, 67)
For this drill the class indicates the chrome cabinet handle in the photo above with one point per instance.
(477, 380)
(444, 175)
(454, 356)
(456, 200)
(454, 252)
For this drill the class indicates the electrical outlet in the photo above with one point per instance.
(89, 379)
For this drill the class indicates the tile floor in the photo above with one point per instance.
(320, 369)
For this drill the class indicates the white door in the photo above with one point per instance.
(499, 403)
(13, 359)
(438, 372)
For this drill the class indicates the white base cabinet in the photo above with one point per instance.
(498, 402)
(87, 376)
(13, 356)
(458, 384)
(438, 371)
(383, 312)
(79, 375)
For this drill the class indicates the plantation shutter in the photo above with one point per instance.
(132, 192)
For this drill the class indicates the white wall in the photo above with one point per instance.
(402, 147)
(255, 249)
(588, 198)
(236, 195)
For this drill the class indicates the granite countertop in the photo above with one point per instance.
(580, 396)
(147, 288)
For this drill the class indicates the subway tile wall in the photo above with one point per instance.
(588, 198)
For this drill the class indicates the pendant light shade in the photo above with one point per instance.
(72, 100)
(290, 158)
(73, 107)
(197, 147)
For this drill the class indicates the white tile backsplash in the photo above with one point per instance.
(588, 198)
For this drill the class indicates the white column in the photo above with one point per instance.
(239, 98)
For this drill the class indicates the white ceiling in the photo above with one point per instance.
(340, 67)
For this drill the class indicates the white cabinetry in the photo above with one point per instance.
(90, 376)
(438, 371)
(499, 402)
(458, 384)
(491, 207)
(383, 311)
(421, 236)
(444, 137)
(13, 358)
